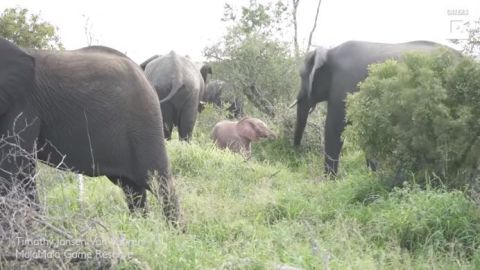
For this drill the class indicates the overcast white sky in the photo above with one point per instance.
(142, 28)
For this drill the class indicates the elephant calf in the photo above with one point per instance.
(238, 135)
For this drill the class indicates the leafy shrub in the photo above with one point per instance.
(420, 117)
(260, 69)
(253, 57)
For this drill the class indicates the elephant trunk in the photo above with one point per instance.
(302, 115)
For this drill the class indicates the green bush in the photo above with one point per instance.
(259, 69)
(420, 117)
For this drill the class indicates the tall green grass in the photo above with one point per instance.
(268, 212)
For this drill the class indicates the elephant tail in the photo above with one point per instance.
(176, 86)
(146, 62)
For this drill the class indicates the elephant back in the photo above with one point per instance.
(103, 49)
(173, 73)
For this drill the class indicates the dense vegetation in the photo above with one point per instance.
(254, 59)
(265, 213)
(419, 118)
(256, 215)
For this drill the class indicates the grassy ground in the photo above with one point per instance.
(262, 214)
(271, 211)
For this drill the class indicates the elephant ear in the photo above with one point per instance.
(261, 129)
(246, 129)
(253, 129)
(319, 58)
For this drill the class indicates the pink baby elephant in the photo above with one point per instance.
(238, 135)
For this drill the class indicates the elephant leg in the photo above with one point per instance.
(18, 134)
(135, 195)
(248, 150)
(164, 191)
(335, 123)
(187, 121)
(372, 164)
(167, 130)
(168, 114)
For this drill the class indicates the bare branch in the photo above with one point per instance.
(295, 28)
(88, 30)
(89, 142)
(28, 232)
(263, 104)
(314, 26)
(53, 228)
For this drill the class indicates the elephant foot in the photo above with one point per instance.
(164, 191)
(330, 172)
(372, 164)
(135, 196)
(136, 204)
(173, 213)
(176, 220)
(331, 166)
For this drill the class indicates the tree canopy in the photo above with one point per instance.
(255, 56)
(28, 30)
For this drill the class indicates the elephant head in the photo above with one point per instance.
(253, 129)
(314, 64)
(315, 87)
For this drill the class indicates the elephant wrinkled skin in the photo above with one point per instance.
(90, 110)
(180, 87)
(238, 135)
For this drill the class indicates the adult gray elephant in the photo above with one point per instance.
(89, 110)
(329, 75)
(221, 94)
(180, 87)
